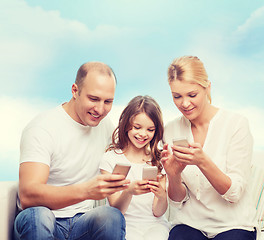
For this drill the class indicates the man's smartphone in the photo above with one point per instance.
(183, 142)
(150, 173)
(122, 169)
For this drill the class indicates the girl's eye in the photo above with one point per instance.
(151, 130)
(136, 127)
(176, 97)
(193, 95)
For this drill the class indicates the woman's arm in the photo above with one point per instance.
(176, 189)
(231, 183)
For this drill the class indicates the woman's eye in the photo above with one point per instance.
(176, 97)
(151, 130)
(136, 127)
(193, 95)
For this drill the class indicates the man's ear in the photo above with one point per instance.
(75, 90)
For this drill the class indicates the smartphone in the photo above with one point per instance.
(122, 169)
(181, 142)
(150, 173)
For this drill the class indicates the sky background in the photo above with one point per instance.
(43, 43)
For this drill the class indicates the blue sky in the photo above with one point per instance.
(43, 43)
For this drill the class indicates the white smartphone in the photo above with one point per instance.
(150, 173)
(122, 169)
(181, 142)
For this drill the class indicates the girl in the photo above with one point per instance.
(207, 179)
(135, 142)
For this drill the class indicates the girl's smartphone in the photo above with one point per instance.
(122, 169)
(150, 173)
(181, 142)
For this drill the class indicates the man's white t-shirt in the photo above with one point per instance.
(71, 150)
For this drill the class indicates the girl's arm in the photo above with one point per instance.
(160, 203)
(121, 200)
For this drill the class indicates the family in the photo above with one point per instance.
(67, 157)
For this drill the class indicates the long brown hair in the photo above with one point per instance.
(137, 105)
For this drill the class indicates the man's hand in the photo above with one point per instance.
(104, 185)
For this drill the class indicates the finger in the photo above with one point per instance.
(142, 182)
(118, 183)
(154, 183)
(113, 177)
(180, 149)
(165, 146)
(112, 190)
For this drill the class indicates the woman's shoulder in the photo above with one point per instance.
(232, 116)
(176, 122)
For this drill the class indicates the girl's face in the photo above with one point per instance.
(189, 98)
(142, 131)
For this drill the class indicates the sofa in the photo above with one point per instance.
(8, 196)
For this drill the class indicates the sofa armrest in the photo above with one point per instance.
(8, 197)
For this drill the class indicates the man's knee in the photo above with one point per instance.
(109, 214)
(34, 219)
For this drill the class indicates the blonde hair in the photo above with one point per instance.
(189, 69)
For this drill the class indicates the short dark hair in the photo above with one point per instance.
(100, 67)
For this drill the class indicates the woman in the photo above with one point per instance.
(208, 179)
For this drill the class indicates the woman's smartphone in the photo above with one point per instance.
(150, 173)
(122, 169)
(181, 142)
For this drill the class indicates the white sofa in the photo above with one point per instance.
(8, 195)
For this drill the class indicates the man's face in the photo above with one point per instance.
(95, 99)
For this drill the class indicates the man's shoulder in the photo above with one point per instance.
(44, 119)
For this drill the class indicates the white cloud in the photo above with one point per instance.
(255, 20)
(31, 39)
(16, 113)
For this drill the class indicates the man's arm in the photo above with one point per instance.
(34, 190)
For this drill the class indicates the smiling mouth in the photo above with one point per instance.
(141, 140)
(187, 110)
(95, 115)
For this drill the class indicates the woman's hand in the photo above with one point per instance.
(170, 163)
(194, 155)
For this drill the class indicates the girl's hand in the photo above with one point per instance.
(190, 156)
(157, 188)
(170, 163)
(138, 187)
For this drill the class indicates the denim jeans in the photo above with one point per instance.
(39, 223)
(184, 232)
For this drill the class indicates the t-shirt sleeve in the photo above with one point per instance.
(107, 163)
(35, 146)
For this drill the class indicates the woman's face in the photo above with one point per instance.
(189, 98)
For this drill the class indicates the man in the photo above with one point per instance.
(59, 156)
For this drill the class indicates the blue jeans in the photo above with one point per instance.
(39, 223)
(184, 232)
